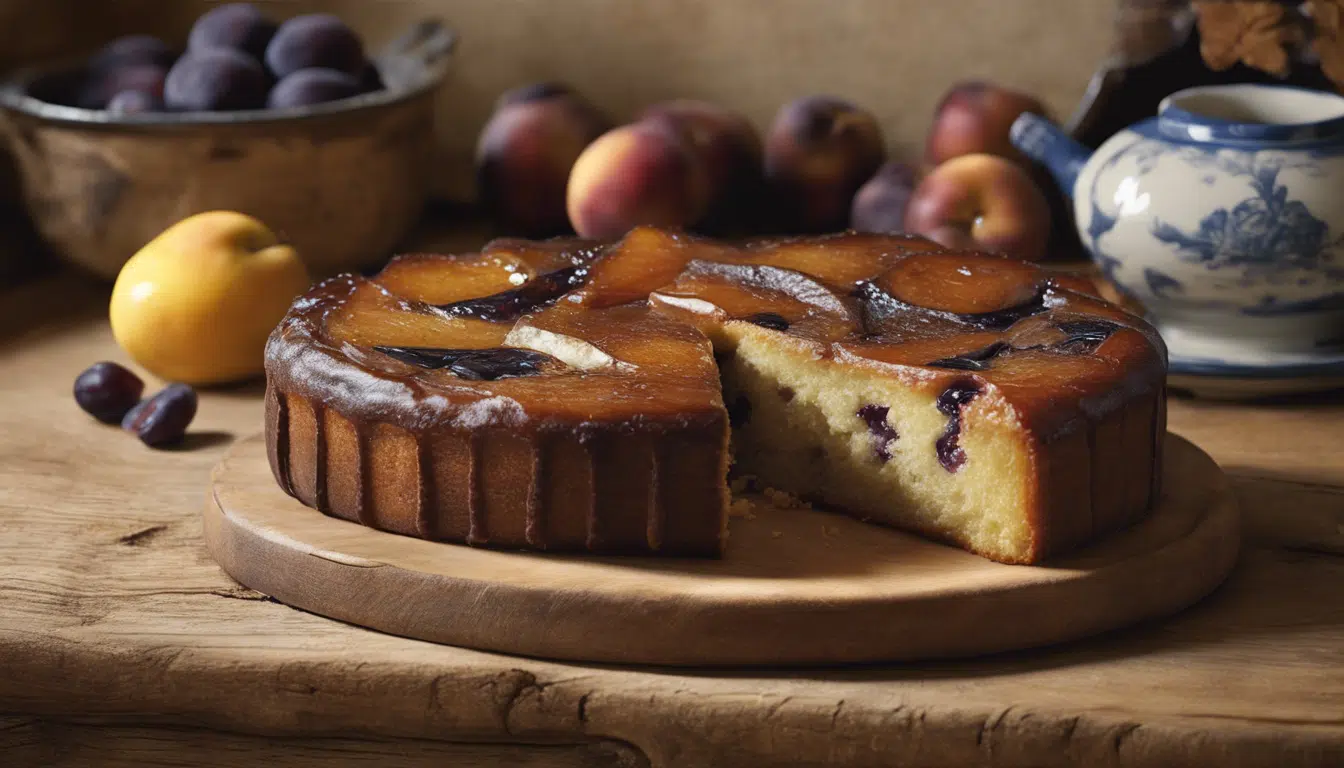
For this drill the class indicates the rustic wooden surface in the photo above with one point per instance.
(122, 642)
(795, 586)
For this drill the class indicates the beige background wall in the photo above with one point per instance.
(896, 57)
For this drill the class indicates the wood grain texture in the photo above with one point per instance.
(794, 587)
(112, 611)
(27, 742)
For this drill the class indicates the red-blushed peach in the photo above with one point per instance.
(644, 173)
(730, 152)
(525, 153)
(984, 202)
(819, 151)
(879, 206)
(974, 118)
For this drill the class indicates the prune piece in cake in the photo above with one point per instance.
(977, 360)
(875, 416)
(950, 403)
(473, 364)
(1084, 336)
(771, 320)
(512, 304)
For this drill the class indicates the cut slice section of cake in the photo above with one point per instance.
(570, 395)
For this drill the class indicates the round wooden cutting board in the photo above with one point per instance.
(796, 587)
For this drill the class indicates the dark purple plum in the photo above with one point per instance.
(133, 50)
(474, 364)
(314, 40)
(163, 419)
(135, 102)
(312, 86)
(237, 26)
(97, 91)
(107, 391)
(879, 205)
(215, 79)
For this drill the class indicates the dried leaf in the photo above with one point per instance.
(1254, 32)
(1328, 23)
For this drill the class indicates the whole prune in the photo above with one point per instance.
(107, 391)
(215, 79)
(312, 86)
(314, 40)
(133, 50)
(164, 418)
(239, 26)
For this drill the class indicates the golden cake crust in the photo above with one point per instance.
(609, 433)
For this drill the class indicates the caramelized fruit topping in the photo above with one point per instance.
(473, 364)
(968, 284)
(879, 305)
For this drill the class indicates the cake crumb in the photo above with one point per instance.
(741, 508)
(827, 530)
(784, 500)
(776, 534)
(742, 483)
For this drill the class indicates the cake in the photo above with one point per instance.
(570, 395)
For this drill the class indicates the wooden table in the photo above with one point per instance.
(122, 643)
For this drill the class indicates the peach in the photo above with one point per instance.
(729, 150)
(639, 174)
(879, 205)
(973, 118)
(525, 154)
(981, 201)
(819, 151)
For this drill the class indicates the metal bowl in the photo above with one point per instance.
(341, 181)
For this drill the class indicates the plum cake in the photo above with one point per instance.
(571, 395)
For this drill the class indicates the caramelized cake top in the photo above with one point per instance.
(572, 334)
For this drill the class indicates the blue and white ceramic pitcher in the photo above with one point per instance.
(1223, 215)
